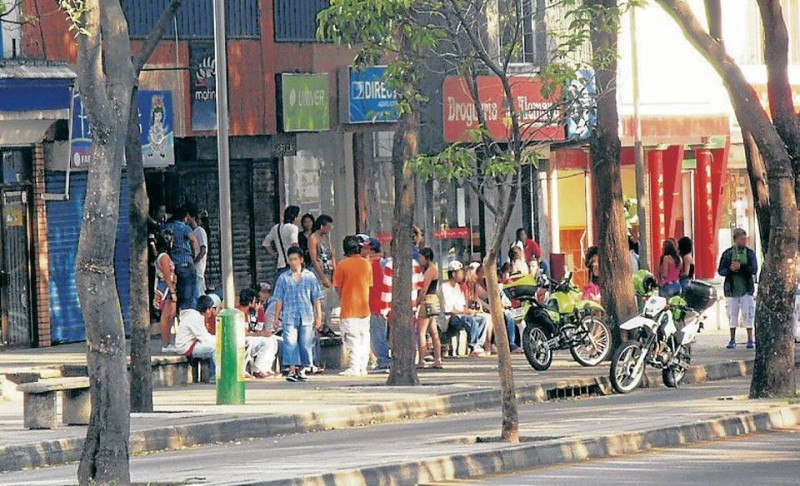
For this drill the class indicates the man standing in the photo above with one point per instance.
(454, 301)
(353, 280)
(378, 332)
(261, 345)
(739, 266)
(202, 241)
(193, 339)
(184, 249)
(282, 237)
(298, 303)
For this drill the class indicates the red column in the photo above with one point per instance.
(658, 222)
(673, 163)
(704, 224)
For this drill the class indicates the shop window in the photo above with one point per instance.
(517, 31)
(16, 166)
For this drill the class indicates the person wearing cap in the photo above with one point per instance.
(460, 316)
(378, 330)
(739, 266)
(261, 344)
(211, 319)
(193, 339)
(352, 281)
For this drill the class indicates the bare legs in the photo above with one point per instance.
(425, 325)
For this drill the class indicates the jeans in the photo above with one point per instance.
(511, 327)
(670, 290)
(379, 339)
(186, 286)
(261, 352)
(205, 351)
(356, 341)
(298, 342)
(475, 326)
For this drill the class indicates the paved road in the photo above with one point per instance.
(769, 459)
(317, 453)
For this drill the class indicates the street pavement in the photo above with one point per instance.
(767, 459)
(327, 394)
(289, 457)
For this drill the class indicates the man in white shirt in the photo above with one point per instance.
(282, 237)
(193, 339)
(202, 242)
(454, 302)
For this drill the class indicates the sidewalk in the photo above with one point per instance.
(447, 447)
(187, 416)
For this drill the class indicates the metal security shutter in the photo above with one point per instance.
(296, 20)
(241, 214)
(195, 18)
(265, 215)
(63, 232)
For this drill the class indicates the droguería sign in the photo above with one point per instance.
(368, 99)
(304, 102)
(540, 118)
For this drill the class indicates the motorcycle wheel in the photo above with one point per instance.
(673, 375)
(534, 343)
(597, 346)
(623, 363)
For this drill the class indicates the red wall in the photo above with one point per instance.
(252, 65)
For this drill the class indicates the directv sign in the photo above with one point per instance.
(368, 99)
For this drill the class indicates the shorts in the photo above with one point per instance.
(430, 307)
(744, 305)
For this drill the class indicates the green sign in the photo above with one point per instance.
(305, 102)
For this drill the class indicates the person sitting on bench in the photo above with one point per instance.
(454, 302)
(193, 339)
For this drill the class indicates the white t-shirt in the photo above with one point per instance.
(290, 235)
(192, 328)
(453, 298)
(202, 241)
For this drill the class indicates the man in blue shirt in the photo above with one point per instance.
(184, 250)
(299, 306)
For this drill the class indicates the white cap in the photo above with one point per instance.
(474, 265)
(215, 299)
(455, 266)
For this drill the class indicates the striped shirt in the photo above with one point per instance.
(417, 281)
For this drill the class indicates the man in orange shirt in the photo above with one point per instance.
(352, 280)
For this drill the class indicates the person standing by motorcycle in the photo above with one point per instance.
(669, 265)
(687, 261)
(739, 266)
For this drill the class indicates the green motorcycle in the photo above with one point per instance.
(559, 320)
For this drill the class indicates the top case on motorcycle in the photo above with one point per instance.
(699, 295)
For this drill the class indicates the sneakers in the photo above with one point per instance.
(751, 344)
(379, 370)
(731, 344)
(301, 375)
(168, 349)
(350, 372)
(291, 378)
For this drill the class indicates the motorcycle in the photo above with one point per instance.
(559, 320)
(661, 336)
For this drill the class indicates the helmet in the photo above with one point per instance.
(643, 282)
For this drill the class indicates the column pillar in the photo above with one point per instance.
(704, 224)
(658, 223)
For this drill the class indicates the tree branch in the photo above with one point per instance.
(155, 35)
(90, 58)
(714, 17)
(116, 51)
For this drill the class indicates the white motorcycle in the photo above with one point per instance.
(661, 336)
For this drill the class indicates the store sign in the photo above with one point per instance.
(582, 114)
(304, 102)
(203, 86)
(368, 98)
(452, 234)
(156, 130)
(541, 118)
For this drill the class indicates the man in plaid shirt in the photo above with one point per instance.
(298, 303)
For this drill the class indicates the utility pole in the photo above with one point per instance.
(642, 203)
(223, 153)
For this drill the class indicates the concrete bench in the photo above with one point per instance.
(332, 353)
(40, 397)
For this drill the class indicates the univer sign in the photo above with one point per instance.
(539, 118)
(304, 102)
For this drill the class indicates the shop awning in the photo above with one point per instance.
(21, 133)
(34, 88)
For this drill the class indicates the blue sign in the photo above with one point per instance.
(203, 86)
(370, 101)
(582, 114)
(156, 130)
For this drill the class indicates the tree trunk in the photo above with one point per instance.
(615, 269)
(757, 175)
(141, 372)
(105, 452)
(404, 370)
(773, 372)
(510, 424)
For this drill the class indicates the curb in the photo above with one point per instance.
(549, 453)
(56, 452)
